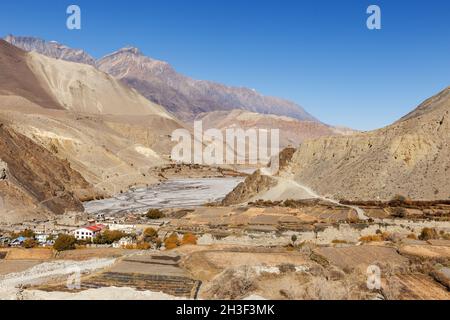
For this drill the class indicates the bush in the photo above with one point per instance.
(399, 198)
(338, 241)
(428, 234)
(29, 243)
(143, 246)
(371, 238)
(399, 212)
(158, 243)
(27, 233)
(65, 242)
(172, 241)
(150, 234)
(154, 214)
(293, 239)
(109, 237)
(189, 238)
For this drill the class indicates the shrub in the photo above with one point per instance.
(189, 238)
(29, 243)
(371, 238)
(84, 242)
(150, 234)
(338, 241)
(143, 246)
(286, 267)
(172, 241)
(399, 212)
(154, 214)
(109, 237)
(399, 198)
(158, 243)
(27, 233)
(293, 239)
(428, 234)
(65, 242)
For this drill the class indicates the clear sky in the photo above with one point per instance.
(317, 53)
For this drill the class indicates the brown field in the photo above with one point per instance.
(415, 287)
(361, 256)
(29, 254)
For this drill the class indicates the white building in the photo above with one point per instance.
(88, 233)
(122, 243)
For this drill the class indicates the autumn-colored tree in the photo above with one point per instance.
(27, 233)
(109, 237)
(143, 246)
(65, 242)
(428, 234)
(172, 241)
(189, 238)
(150, 234)
(29, 243)
(154, 214)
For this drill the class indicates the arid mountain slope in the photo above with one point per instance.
(292, 131)
(18, 82)
(34, 183)
(82, 88)
(57, 84)
(109, 133)
(51, 49)
(409, 157)
(160, 83)
(186, 97)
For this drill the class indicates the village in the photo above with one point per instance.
(85, 230)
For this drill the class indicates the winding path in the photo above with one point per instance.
(314, 195)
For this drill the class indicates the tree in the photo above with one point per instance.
(65, 242)
(150, 234)
(29, 243)
(109, 237)
(293, 239)
(154, 214)
(189, 238)
(172, 241)
(428, 234)
(27, 233)
(399, 212)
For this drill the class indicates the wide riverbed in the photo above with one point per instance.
(180, 193)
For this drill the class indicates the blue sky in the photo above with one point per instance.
(317, 53)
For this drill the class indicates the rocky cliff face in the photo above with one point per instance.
(35, 183)
(408, 158)
(254, 184)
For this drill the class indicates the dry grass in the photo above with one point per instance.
(30, 254)
(372, 238)
(232, 284)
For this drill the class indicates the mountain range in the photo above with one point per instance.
(160, 83)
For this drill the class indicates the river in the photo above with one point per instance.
(179, 193)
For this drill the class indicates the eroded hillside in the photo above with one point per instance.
(410, 158)
(36, 183)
